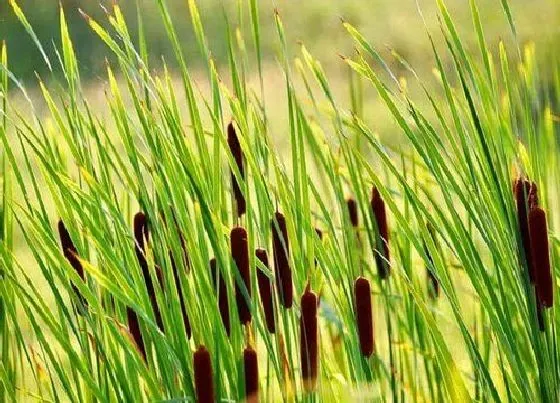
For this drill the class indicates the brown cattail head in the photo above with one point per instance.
(522, 191)
(265, 291)
(141, 235)
(308, 339)
(251, 368)
(240, 255)
(134, 329)
(353, 212)
(319, 233)
(282, 270)
(235, 149)
(541, 257)
(203, 380)
(220, 285)
(71, 254)
(382, 256)
(364, 318)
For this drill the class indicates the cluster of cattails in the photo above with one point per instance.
(382, 256)
(534, 238)
(237, 153)
(71, 254)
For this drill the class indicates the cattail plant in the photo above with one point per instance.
(353, 212)
(522, 191)
(203, 380)
(134, 329)
(240, 255)
(141, 236)
(364, 318)
(308, 339)
(251, 371)
(265, 291)
(382, 256)
(219, 284)
(71, 254)
(235, 149)
(433, 283)
(281, 251)
(541, 257)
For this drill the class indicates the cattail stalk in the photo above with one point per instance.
(382, 256)
(235, 149)
(134, 329)
(240, 255)
(525, 196)
(281, 251)
(364, 317)
(308, 339)
(203, 380)
(265, 291)
(71, 254)
(541, 257)
(141, 235)
(219, 284)
(251, 369)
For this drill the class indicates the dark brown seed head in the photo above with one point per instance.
(251, 367)
(134, 329)
(308, 339)
(319, 233)
(364, 318)
(141, 235)
(265, 291)
(240, 255)
(71, 254)
(382, 256)
(541, 257)
(203, 380)
(281, 251)
(522, 189)
(353, 212)
(237, 153)
(220, 285)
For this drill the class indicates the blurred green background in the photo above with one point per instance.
(316, 22)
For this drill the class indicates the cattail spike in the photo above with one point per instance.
(353, 212)
(203, 380)
(251, 367)
(71, 254)
(235, 149)
(281, 251)
(308, 340)
(141, 236)
(364, 317)
(220, 284)
(541, 257)
(382, 256)
(522, 190)
(240, 255)
(265, 291)
(134, 329)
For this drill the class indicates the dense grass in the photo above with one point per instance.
(133, 308)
